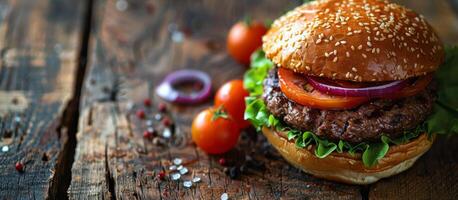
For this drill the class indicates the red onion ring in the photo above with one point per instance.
(371, 92)
(167, 91)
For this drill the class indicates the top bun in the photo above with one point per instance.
(356, 40)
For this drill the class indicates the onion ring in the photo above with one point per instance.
(371, 92)
(167, 91)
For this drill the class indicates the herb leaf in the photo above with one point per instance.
(324, 148)
(374, 152)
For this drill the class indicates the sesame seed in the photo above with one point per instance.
(364, 55)
(354, 69)
(335, 59)
(347, 54)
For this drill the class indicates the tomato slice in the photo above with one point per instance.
(297, 89)
(413, 88)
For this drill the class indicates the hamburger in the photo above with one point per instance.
(343, 88)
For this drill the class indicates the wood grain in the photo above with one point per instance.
(132, 51)
(38, 42)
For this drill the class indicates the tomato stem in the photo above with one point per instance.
(268, 23)
(220, 113)
(247, 21)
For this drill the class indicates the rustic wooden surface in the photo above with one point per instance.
(43, 59)
(39, 42)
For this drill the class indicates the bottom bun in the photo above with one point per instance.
(343, 167)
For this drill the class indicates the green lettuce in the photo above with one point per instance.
(444, 120)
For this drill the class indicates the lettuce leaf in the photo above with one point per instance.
(443, 121)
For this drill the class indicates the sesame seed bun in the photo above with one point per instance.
(343, 167)
(356, 40)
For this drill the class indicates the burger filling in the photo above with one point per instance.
(367, 122)
(365, 125)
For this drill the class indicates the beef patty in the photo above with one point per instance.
(368, 122)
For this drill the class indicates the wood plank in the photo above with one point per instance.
(132, 51)
(38, 42)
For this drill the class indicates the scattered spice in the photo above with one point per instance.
(224, 196)
(234, 173)
(158, 117)
(167, 133)
(167, 121)
(196, 179)
(187, 184)
(148, 134)
(147, 102)
(184, 171)
(162, 107)
(176, 176)
(19, 167)
(173, 167)
(222, 161)
(141, 114)
(177, 161)
(5, 148)
(17, 119)
(44, 157)
(161, 175)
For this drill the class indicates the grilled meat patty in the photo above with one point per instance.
(368, 122)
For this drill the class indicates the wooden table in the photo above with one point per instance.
(71, 71)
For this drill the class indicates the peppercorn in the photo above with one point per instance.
(141, 114)
(234, 173)
(148, 134)
(162, 107)
(19, 167)
(147, 102)
(161, 175)
(222, 161)
(167, 121)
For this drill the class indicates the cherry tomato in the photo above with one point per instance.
(214, 132)
(292, 85)
(243, 39)
(232, 97)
